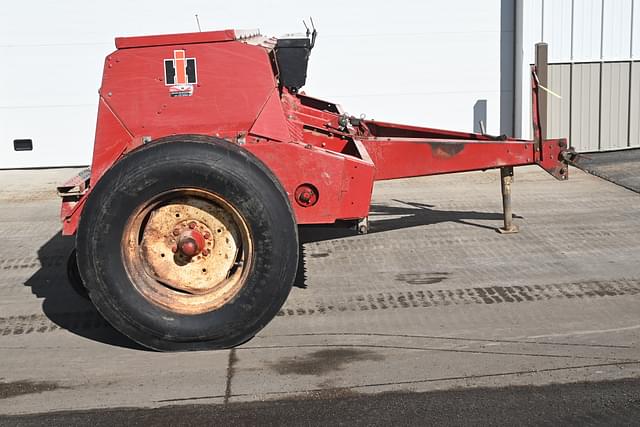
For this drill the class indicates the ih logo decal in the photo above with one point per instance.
(180, 74)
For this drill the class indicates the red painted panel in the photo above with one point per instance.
(234, 81)
(552, 159)
(403, 158)
(169, 39)
(112, 139)
(338, 178)
(271, 122)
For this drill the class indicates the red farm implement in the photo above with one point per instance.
(207, 157)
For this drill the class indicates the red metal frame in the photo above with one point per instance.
(304, 141)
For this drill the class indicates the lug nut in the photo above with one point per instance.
(176, 231)
(305, 197)
(192, 225)
(174, 248)
(205, 252)
(207, 235)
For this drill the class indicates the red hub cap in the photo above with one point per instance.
(190, 243)
(306, 195)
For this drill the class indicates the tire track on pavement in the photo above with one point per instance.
(420, 299)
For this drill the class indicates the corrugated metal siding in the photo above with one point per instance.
(616, 29)
(635, 30)
(557, 27)
(587, 20)
(558, 110)
(614, 105)
(594, 42)
(634, 114)
(585, 109)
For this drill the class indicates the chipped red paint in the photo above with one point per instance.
(303, 140)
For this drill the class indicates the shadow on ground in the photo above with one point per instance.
(61, 304)
(384, 218)
(66, 309)
(402, 215)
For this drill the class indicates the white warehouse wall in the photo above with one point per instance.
(425, 63)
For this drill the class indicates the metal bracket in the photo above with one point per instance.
(362, 226)
(76, 186)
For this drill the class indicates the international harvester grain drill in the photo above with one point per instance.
(207, 158)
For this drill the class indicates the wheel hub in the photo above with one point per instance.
(190, 245)
(191, 242)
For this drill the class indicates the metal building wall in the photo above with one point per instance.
(599, 105)
(558, 111)
(585, 114)
(634, 113)
(614, 105)
(592, 47)
(404, 61)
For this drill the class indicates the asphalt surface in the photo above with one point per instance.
(582, 404)
(431, 303)
(621, 167)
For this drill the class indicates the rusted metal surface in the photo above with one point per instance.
(187, 251)
(77, 185)
(445, 151)
(541, 77)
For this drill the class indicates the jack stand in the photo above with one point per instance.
(506, 178)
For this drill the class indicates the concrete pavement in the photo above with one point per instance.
(432, 299)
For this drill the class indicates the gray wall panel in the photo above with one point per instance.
(634, 125)
(558, 111)
(614, 104)
(585, 110)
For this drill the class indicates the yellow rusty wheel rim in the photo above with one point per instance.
(187, 250)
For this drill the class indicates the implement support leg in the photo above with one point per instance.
(506, 178)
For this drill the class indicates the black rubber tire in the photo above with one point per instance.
(198, 162)
(73, 275)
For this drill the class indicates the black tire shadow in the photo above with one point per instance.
(61, 304)
(414, 214)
